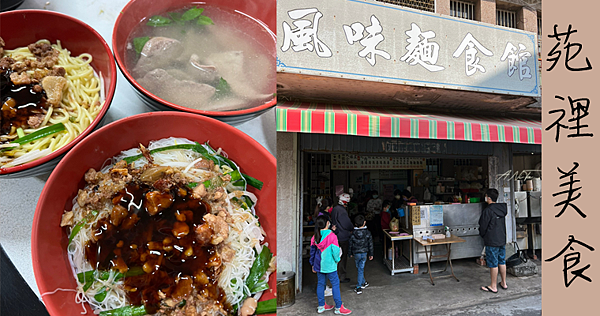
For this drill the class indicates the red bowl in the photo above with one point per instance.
(49, 241)
(136, 10)
(23, 27)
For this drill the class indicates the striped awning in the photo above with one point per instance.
(390, 122)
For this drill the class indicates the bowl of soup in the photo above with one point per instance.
(182, 155)
(58, 78)
(215, 58)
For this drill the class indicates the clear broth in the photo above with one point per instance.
(242, 50)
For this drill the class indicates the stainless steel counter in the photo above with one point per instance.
(461, 219)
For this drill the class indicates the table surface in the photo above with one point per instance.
(397, 237)
(451, 240)
(18, 197)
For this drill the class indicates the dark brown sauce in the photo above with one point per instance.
(27, 103)
(144, 239)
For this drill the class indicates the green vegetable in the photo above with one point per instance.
(209, 153)
(139, 42)
(182, 304)
(204, 20)
(253, 182)
(158, 20)
(76, 229)
(192, 14)
(101, 295)
(176, 16)
(182, 146)
(126, 311)
(192, 185)
(223, 88)
(90, 276)
(266, 307)
(46, 131)
(259, 267)
(20, 132)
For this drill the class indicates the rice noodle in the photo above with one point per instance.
(245, 234)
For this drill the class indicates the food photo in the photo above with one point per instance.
(215, 58)
(56, 87)
(147, 190)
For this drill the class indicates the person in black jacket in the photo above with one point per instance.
(493, 230)
(343, 228)
(361, 247)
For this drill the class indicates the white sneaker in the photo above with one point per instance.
(328, 291)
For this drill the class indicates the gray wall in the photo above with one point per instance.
(288, 217)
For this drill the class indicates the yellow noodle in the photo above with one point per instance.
(79, 106)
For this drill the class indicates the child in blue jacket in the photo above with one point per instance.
(324, 256)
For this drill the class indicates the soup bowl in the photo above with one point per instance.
(49, 241)
(23, 27)
(261, 12)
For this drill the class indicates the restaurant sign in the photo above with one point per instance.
(369, 40)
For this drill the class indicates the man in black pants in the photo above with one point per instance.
(343, 228)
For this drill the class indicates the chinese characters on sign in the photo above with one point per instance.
(579, 109)
(304, 36)
(421, 46)
(420, 50)
(354, 33)
(469, 46)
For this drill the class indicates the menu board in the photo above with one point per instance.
(415, 213)
(353, 161)
(436, 215)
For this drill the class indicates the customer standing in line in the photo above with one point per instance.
(492, 228)
(361, 248)
(324, 256)
(343, 228)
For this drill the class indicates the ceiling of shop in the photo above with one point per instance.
(292, 87)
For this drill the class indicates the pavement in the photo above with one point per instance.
(413, 294)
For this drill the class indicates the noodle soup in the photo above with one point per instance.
(204, 58)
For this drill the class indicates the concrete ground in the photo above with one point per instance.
(413, 294)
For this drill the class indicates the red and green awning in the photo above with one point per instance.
(390, 122)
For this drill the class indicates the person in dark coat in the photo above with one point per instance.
(492, 228)
(361, 247)
(343, 228)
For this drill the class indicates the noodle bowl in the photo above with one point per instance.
(171, 227)
(77, 107)
(22, 28)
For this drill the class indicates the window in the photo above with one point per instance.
(506, 18)
(425, 5)
(460, 9)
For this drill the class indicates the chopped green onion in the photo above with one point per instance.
(72, 119)
(139, 43)
(101, 295)
(48, 130)
(20, 132)
(192, 185)
(76, 229)
(126, 311)
(259, 268)
(158, 20)
(253, 182)
(182, 146)
(95, 213)
(266, 307)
